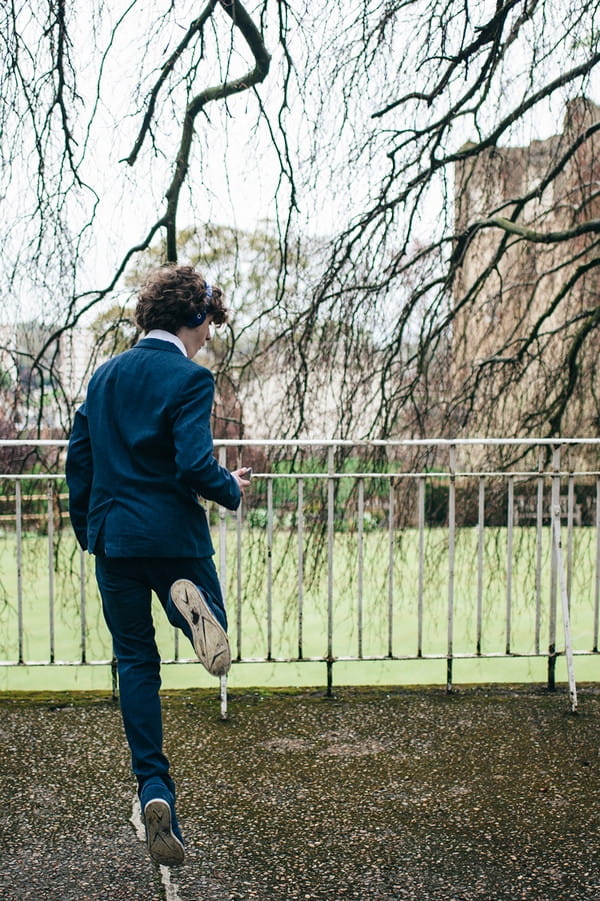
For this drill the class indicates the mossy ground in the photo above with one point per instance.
(386, 793)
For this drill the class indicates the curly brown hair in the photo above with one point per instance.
(173, 295)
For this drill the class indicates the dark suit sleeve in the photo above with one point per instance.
(194, 459)
(79, 472)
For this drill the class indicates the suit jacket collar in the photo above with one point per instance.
(157, 344)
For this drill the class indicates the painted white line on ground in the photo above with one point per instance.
(136, 819)
(171, 888)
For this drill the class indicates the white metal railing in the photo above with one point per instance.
(349, 551)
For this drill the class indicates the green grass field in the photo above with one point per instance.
(263, 606)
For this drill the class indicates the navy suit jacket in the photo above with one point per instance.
(141, 452)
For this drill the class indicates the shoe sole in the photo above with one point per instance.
(164, 847)
(210, 639)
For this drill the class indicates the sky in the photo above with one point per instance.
(235, 174)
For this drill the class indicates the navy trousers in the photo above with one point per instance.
(126, 585)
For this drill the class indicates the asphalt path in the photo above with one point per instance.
(397, 793)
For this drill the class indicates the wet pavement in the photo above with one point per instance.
(400, 793)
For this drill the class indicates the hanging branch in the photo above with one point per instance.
(241, 20)
(253, 38)
(195, 28)
(168, 221)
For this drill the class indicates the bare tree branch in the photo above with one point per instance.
(244, 23)
(196, 27)
(514, 228)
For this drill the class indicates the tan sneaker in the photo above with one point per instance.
(210, 638)
(165, 847)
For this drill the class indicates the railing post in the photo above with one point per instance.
(300, 575)
(19, 537)
(421, 583)
(557, 544)
(329, 663)
(360, 575)
(50, 514)
(114, 679)
(555, 502)
(82, 600)
(391, 555)
(539, 531)
(510, 514)
(223, 696)
(451, 562)
(480, 548)
(270, 516)
(597, 585)
(330, 539)
(239, 585)
(223, 542)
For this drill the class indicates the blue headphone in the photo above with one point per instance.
(198, 318)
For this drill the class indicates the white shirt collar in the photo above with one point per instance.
(162, 335)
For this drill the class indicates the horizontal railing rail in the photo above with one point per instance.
(343, 551)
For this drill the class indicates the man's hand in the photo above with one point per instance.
(240, 476)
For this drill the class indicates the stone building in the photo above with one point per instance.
(518, 312)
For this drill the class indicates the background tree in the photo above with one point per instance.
(77, 88)
(399, 140)
(253, 358)
(448, 219)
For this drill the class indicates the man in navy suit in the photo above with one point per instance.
(139, 457)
